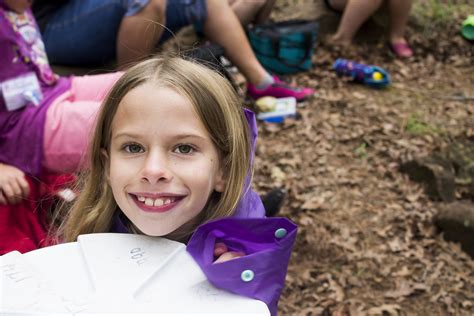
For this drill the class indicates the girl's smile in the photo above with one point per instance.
(162, 163)
(156, 203)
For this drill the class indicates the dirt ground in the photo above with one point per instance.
(366, 243)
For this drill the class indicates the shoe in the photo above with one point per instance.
(370, 75)
(279, 89)
(401, 49)
(273, 201)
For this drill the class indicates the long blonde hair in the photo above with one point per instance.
(218, 107)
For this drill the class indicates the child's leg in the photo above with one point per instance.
(399, 12)
(139, 33)
(355, 13)
(223, 27)
(252, 11)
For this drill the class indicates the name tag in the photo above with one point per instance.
(20, 91)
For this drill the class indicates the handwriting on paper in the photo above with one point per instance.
(15, 273)
(139, 255)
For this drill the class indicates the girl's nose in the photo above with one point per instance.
(156, 169)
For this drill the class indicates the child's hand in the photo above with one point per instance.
(222, 253)
(13, 185)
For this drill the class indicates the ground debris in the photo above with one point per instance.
(366, 242)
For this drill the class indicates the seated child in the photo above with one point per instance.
(130, 30)
(45, 119)
(171, 156)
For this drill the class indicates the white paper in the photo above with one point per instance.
(113, 273)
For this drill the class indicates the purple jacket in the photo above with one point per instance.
(260, 274)
(22, 52)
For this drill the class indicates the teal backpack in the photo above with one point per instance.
(284, 47)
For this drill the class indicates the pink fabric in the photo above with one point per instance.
(70, 122)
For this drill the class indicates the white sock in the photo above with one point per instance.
(265, 82)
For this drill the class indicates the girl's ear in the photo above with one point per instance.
(105, 161)
(221, 181)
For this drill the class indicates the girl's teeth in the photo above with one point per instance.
(153, 202)
(148, 202)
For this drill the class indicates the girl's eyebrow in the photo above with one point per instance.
(180, 136)
(124, 134)
(177, 136)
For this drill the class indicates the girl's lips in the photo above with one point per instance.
(155, 204)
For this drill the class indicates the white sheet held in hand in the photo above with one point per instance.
(113, 273)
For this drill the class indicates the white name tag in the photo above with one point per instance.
(20, 91)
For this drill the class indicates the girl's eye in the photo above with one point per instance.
(133, 148)
(184, 149)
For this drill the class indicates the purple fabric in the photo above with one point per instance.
(267, 256)
(250, 204)
(21, 52)
(118, 226)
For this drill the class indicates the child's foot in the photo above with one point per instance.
(401, 48)
(339, 40)
(279, 89)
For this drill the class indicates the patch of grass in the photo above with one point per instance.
(417, 127)
(360, 272)
(430, 13)
(361, 151)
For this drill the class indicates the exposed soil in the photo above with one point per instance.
(366, 243)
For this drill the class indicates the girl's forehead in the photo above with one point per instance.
(152, 109)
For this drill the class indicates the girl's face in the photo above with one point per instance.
(163, 165)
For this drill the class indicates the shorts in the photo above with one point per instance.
(182, 13)
(84, 32)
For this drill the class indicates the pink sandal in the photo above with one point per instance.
(401, 49)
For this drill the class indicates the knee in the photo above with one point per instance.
(261, 3)
(254, 4)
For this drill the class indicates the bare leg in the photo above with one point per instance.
(399, 12)
(252, 11)
(356, 12)
(338, 5)
(223, 27)
(138, 34)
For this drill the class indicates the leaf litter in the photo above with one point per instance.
(366, 242)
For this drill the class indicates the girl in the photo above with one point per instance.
(45, 119)
(171, 151)
(45, 125)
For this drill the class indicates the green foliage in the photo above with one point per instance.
(438, 12)
(417, 127)
(361, 151)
